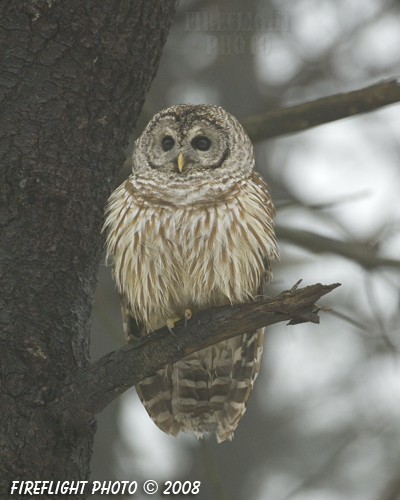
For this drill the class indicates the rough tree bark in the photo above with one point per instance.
(74, 78)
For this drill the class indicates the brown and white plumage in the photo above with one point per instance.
(189, 229)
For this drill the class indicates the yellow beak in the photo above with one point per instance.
(181, 162)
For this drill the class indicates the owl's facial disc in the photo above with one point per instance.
(187, 148)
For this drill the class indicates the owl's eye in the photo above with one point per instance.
(167, 143)
(201, 142)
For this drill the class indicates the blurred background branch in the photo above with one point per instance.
(319, 111)
(363, 253)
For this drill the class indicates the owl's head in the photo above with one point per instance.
(186, 141)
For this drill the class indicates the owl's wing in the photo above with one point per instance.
(260, 189)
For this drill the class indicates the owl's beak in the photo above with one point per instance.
(181, 161)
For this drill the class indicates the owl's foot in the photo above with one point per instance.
(171, 321)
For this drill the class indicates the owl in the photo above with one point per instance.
(190, 229)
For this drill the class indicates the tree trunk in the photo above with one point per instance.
(74, 77)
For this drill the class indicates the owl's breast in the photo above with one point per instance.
(169, 258)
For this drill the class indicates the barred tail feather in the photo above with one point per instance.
(207, 391)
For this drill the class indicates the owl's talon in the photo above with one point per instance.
(171, 323)
(188, 315)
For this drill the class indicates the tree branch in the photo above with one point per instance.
(92, 389)
(364, 254)
(327, 109)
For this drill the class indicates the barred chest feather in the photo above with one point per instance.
(166, 255)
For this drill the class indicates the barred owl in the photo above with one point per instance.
(192, 228)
